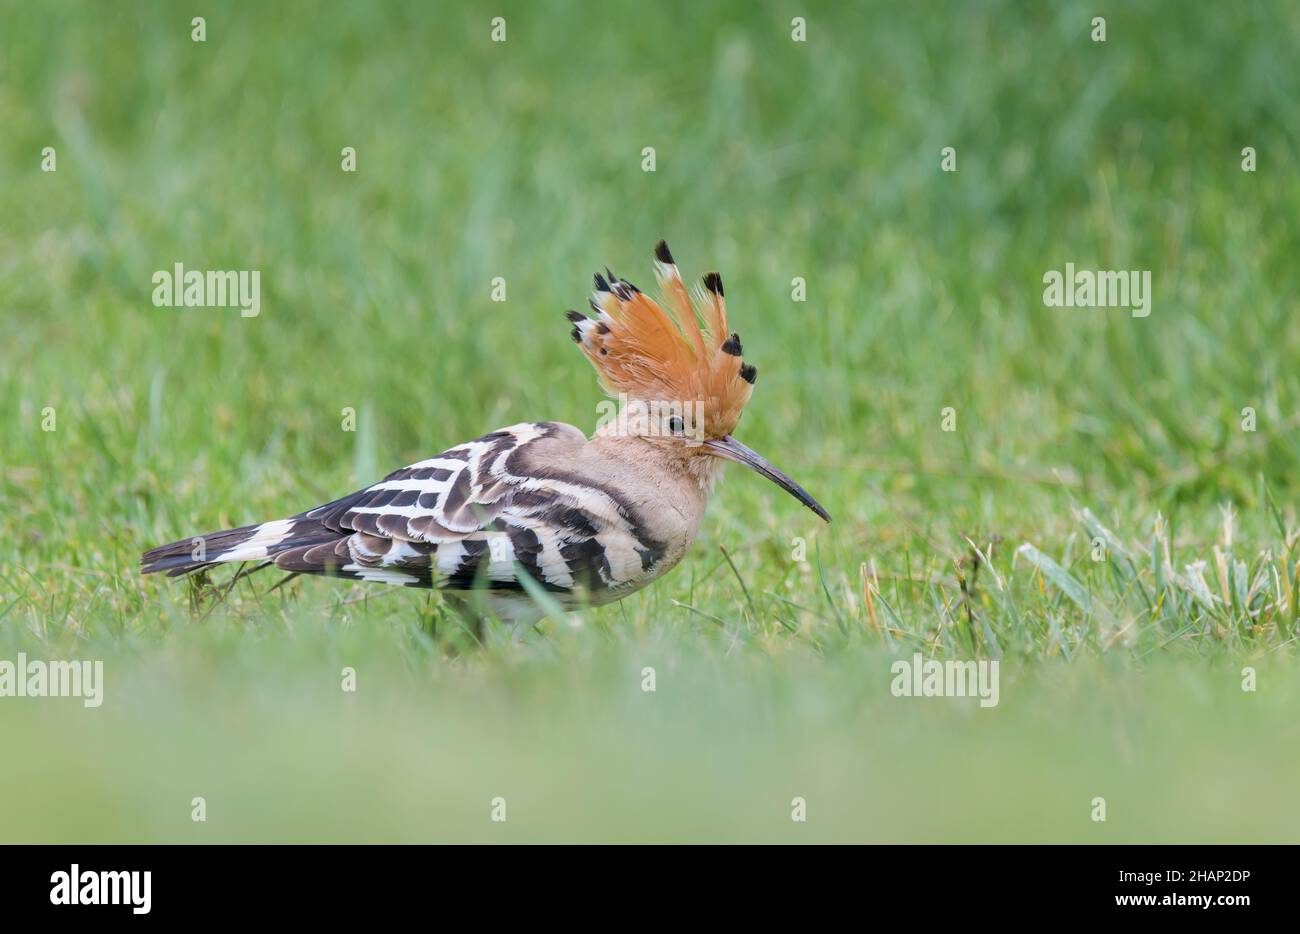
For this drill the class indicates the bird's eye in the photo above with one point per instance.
(675, 425)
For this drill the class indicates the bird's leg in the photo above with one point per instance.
(519, 629)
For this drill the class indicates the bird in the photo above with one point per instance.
(538, 515)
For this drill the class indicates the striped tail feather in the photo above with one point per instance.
(259, 542)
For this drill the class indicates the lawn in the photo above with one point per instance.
(1103, 503)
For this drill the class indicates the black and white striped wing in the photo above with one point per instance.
(464, 518)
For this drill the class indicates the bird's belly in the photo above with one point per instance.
(623, 572)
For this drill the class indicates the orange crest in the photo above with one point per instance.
(667, 356)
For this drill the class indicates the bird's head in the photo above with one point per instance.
(679, 373)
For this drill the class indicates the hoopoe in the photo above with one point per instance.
(590, 520)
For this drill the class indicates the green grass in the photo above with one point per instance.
(1121, 662)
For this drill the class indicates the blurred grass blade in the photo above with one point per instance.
(1059, 576)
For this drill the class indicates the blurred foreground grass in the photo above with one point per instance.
(256, 725)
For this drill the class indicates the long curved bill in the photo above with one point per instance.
(730, 449)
